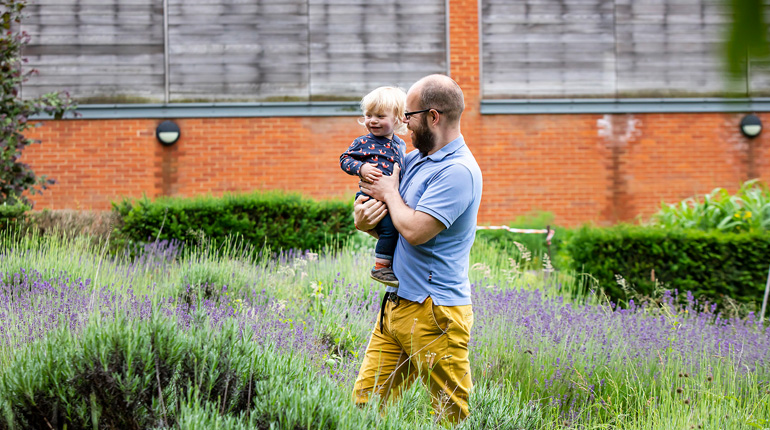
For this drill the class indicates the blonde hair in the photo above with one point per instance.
(388, 100)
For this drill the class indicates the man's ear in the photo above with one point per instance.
(436, 117)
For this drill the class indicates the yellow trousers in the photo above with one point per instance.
(420, 340)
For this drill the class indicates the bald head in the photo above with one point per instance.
(442, 93)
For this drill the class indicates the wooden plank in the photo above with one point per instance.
(239, 93)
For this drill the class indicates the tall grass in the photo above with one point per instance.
(546, 351)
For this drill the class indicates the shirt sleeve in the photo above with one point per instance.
(448, 194)
(348, 163)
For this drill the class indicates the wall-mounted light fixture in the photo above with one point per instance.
(167, 133)
(751, 126)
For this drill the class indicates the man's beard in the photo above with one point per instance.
(424, 139)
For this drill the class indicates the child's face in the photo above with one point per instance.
(380, 123)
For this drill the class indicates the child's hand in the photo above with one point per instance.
(369, 173)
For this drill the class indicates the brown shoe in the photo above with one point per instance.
(386, 276)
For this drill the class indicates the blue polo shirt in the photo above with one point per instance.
(446, 185)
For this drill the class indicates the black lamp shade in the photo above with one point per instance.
(167, 133)
(751, 126)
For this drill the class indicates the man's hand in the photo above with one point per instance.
(384, 187)
(368, 212)
(369, 173)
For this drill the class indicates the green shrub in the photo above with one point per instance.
(130, 375)
(153, 374)
(13, 217)
(277, 220)
(711, 264)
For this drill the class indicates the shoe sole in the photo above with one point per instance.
(388, 283)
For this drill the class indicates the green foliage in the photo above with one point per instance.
(712, 264)
(13, 216)
(143, 374)
(534, 243)
(747, 210)
(123, 375)
(531, 353)
(17, 177)
(497, 405)
(155, 374)
(277, 220)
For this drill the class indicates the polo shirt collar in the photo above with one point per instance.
(448, 149)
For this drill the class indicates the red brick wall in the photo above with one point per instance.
(611, 168)
(582, 168)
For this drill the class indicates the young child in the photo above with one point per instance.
(383, 111)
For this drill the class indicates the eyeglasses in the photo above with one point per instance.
(408, 114)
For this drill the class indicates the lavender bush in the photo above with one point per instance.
(544, 353)
(135, 374)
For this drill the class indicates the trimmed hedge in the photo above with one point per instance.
(711, 264)
(280, 221)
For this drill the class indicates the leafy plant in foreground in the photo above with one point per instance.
(747, 210)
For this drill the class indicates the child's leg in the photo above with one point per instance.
(386, 244)
(384, 258)
(383, 252)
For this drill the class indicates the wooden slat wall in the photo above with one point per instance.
(548, 48)
(608, 48)
(356, 46)
(238, 49)
(232, 50)
(257, 50)
(671, 47)
(96, 48)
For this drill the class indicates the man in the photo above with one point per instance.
(424, 328)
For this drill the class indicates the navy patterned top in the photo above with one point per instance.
(373, 149)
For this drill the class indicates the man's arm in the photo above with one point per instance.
(414, 226)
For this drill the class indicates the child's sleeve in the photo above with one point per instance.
(348, 163)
